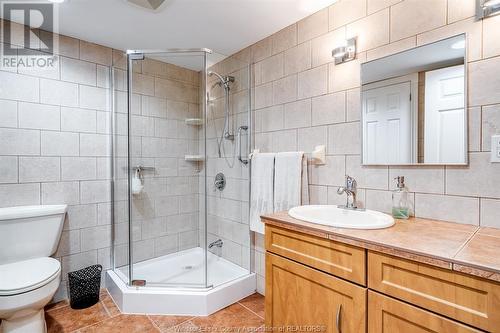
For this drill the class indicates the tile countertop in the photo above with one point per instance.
(466, 248)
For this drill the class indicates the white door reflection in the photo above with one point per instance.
(388, 121)
(444, 115)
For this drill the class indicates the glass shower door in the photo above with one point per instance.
(228, 146)
(119, 204)
(166, 162)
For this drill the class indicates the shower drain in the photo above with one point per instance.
(188, 267)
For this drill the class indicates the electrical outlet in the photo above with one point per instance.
(495, 149)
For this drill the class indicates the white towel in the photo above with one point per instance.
(290, 181)
(262, 185)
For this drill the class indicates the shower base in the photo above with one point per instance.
(179, 273)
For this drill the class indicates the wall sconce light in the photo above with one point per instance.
(346, 52)
(485, 8)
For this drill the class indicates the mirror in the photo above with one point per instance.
(414, 108)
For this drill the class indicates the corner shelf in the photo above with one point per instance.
(194, 158)
(194, 121)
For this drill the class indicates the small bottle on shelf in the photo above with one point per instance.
(400, 203)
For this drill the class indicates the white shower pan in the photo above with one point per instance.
(231, 282)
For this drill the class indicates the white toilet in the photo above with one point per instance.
(29, 278)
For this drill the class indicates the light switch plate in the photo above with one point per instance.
(495, 149)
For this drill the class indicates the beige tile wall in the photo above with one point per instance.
(227, 210)
(55, 149)
(165, 216)
(322, 100)
(54, 146)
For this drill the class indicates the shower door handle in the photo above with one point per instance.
(240, 157)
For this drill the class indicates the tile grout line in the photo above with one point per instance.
(154, 324)
(106, 309)
(250, 310)
(465, 243)
(84, 327)
(168, 328)
(56, 308)
(98, 322)
(112, 300)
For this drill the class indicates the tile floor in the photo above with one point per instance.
(104, 317)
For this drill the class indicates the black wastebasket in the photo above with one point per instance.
(84, 287)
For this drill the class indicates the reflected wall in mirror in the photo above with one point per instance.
(414, 108)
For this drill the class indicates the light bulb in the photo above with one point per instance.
(490, 3)
(339, 52)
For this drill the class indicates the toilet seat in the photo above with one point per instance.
(24, 276)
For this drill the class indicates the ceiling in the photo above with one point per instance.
(224, 26)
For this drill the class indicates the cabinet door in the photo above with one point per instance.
(300, 298)
(387, 315)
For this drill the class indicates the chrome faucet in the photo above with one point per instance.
(350, 189)
(217, 243)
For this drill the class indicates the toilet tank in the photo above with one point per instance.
(28, 232)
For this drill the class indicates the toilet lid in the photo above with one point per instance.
(23, 276)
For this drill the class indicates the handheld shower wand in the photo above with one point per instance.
(224, 82)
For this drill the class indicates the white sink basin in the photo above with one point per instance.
(342, 218)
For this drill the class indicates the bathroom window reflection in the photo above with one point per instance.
(414, 106)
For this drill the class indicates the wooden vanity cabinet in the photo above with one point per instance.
(303, 299)
(313, 282)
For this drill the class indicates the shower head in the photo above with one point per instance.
(223, 80)
(211, 73)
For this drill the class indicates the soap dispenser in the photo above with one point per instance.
(400, 203)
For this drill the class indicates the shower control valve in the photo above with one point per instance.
(220, 181)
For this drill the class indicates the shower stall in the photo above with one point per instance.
(181, 135)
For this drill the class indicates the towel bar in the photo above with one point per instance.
(318, 155)
(141, 168)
